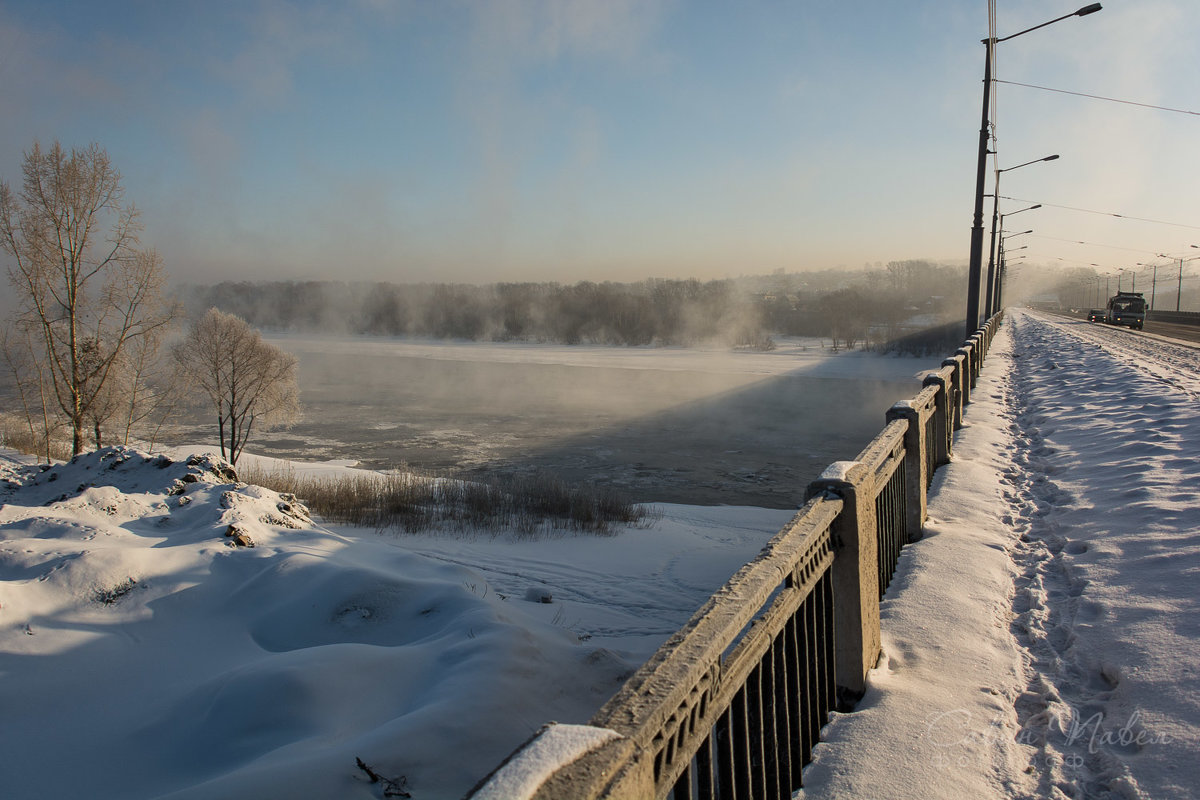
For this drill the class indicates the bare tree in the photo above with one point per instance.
(84, 286)
(153, 391)
(248, 382)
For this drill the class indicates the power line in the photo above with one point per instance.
(1099, 97)
(1104, 213)
(1094, 244)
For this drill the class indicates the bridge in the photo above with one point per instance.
(735, 703)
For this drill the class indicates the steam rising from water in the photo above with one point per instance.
(661, 424)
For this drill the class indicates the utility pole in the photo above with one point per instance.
(975, 264)
(1179, 296)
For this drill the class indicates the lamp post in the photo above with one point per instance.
(1003, 263)
(1153, 281)
(994, 279)
(975, 269)
(988, 307)
(1181, 259)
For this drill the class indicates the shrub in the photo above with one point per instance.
(15, 434)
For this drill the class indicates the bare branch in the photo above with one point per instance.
(249, 383)
(66, 231)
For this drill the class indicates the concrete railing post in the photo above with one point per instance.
(613, 768)
(968, 381)
(943, 418)
(956, 401)
(976, 358)
(855, 575)
(916, 461)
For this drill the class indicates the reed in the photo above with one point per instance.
(411, 501)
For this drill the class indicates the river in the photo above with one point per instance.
(698, 426)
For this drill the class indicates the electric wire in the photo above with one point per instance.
(1103, 213)
(1100, 97)
(1094, 244)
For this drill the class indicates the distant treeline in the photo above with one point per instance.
(648, 312)
(738, 312)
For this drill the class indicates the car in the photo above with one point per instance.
(1096, 315)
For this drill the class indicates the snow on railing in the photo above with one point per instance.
(733, 703)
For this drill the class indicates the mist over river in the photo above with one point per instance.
(682, 425)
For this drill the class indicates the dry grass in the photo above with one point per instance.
(14, 433)
(410, 501)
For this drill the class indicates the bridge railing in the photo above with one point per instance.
(733, 703)
(1177, 317)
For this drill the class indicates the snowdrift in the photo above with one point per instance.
(166, 630)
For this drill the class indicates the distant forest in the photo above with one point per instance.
(866, 307)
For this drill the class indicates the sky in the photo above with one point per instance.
(575, 140)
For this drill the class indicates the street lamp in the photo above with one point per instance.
(1181, 259)
(976, 263)
(990, 307)
(1121, 278)
(1003, 263)
(1096, 278)
(1153, 281)
(994, 306)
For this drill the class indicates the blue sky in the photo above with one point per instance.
(606, 139)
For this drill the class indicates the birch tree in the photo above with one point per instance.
(84, 286)
(250, 384)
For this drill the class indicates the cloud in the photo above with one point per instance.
(277, 38)
(541, 30)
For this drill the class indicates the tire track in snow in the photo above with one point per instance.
(1062, 693)
(1176, 365)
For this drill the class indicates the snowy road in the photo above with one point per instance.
(1175, 363)
(1044, 637)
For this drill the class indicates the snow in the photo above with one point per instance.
(554, 746)
(222, 671)
(1041, 640)
(838, 471)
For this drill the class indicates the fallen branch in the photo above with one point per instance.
(392, 787)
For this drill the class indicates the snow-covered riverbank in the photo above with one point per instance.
(1041, 640)
(142, 654)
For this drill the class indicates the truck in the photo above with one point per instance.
(1126, 308)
